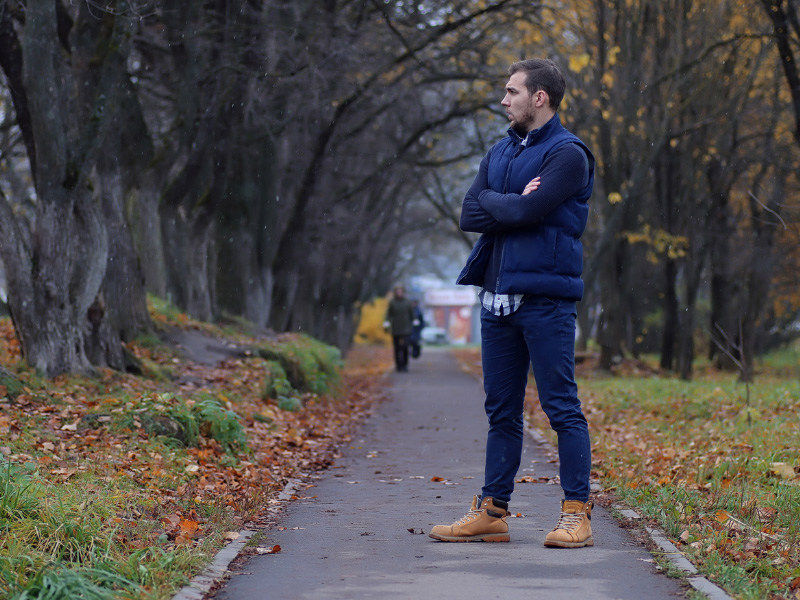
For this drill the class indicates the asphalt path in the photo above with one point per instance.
(361, 532)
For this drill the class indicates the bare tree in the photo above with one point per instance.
(63, 66)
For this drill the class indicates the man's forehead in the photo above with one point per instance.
(516, 81)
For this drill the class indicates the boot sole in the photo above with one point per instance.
(558, 544)
(494, 537)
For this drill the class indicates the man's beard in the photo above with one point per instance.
(524, 123)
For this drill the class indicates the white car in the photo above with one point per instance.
(434, 335)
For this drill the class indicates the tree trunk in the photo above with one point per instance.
(57, 277)
(724, 321)
(188, 244)
(50, 304)
(694, 268)
(123, 282)
(670, 328)
(143, 216)
(245, 227)
(610, 334)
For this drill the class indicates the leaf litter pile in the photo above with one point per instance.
(713, 462)
(124, 485)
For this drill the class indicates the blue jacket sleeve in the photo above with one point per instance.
(473, 216)
(564, 173)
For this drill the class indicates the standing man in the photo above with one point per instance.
(530, 203)
(400, 321)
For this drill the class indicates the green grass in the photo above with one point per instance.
(98, 476)
(698, 458)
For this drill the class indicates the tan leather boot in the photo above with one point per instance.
(574, 527)
(484, 523)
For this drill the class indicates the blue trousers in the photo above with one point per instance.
(540, 333)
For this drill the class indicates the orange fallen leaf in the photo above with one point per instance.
(722, 516)
(437, 479)
(188, 527)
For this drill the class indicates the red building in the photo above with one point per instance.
(453, 309)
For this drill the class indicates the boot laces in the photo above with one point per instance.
(470, 516)
(569, 521)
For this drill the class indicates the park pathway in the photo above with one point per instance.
(362, 531)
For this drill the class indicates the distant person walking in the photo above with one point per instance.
(416, 330)
(530, 203)
(400, 321)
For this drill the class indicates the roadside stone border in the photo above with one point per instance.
(198, 587)
(669, 550)
(201, 585)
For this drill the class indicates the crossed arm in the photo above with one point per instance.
(562, 175)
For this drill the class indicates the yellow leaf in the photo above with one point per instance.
(579, 63)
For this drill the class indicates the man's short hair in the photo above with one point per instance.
(542, 74)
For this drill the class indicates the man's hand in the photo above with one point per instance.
(532, 186)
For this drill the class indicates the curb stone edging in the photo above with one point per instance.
(198, 587)
(670, 551)
(217, 570)
(677, 558)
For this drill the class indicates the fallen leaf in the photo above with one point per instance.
(766, 513)
(188, 527)
(230, 535)
(782, 470)
(71, 426)
(274, 550)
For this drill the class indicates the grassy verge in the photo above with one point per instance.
(716, 465)
(125, 486)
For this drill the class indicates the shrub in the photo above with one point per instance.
(276, 383)
(310, 365)
(220, 424)
(171, 416)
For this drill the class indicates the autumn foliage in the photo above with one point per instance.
(167, 465)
